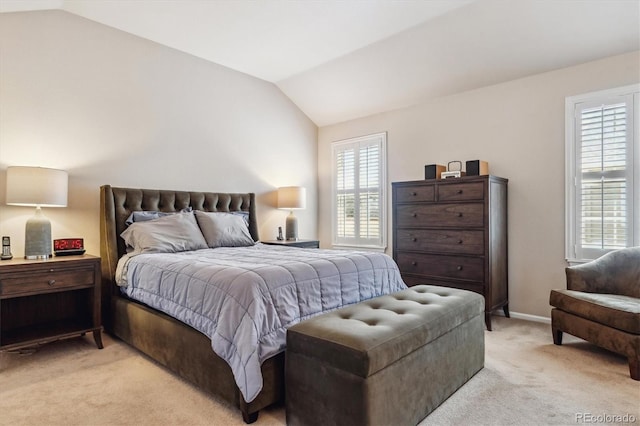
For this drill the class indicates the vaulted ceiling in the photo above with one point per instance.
(343, 59)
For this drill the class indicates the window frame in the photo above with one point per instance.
(573, 252)
(340, 145)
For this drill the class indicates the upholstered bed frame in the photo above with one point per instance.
(182, 349)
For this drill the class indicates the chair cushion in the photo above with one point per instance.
(621, 312)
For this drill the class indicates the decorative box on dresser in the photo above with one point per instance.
(453, 233)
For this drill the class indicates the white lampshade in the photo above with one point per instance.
(292, 197)
(40, 187)
(36, 186)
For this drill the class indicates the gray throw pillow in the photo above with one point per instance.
(224, 229)
(167, 234)
(144, 215)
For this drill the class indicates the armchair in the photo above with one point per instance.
(602, 305)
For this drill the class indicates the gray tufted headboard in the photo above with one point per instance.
(116, 204)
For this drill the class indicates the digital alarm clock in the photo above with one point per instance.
(68, 246)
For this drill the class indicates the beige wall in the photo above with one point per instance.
(112, 108)
(518, 127)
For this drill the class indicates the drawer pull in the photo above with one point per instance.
(459, 267)
(51, 282)
(414, 263)
(459, 241)
(460, 214)
(459, 191)
(414, 193)
(414, 215)
(414, 239)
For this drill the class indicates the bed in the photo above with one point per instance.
(183, 346)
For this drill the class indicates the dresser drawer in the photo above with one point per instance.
(441, 241)
(451, 267)
(461, 191)
(440, 215)
(408, 194)
(46, 280)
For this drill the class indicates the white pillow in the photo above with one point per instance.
(167, 234)
(224, 229)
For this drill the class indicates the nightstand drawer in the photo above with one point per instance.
(44, 281)
(440, 215)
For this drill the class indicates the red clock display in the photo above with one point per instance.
(68, 245)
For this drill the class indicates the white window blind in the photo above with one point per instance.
(358, 191)
(603, 210)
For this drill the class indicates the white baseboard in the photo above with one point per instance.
(526, 317)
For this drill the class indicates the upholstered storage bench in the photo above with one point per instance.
(390, 360)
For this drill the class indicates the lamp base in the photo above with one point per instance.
(291, 226)
(37, 241)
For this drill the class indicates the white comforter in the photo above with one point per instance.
(245, 298)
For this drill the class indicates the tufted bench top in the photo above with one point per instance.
(368, 336)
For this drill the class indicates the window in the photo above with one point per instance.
(359, 182)
(603, 167)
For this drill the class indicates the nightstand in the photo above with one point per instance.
(296, 243)
(46, 300)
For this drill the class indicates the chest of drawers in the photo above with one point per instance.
(453, 233)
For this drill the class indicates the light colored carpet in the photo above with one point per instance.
(526, 381)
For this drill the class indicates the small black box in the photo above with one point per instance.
(477, 168)
(433, 171)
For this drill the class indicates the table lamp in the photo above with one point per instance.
(292, 198)
(39, 187)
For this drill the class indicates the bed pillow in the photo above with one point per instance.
(144, 215)
(167, 234)
(224, 229)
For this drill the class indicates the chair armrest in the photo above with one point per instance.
(617, 272)
(583, 277)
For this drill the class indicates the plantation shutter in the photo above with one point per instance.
(358, 191)
(604, 176)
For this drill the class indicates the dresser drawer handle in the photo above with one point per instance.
(414, 239)
(415, 215)
(51, 282)
(459, 191)
(459, 241)
(414, 263)
(460, 214)
(414, 193)
(459, 267)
